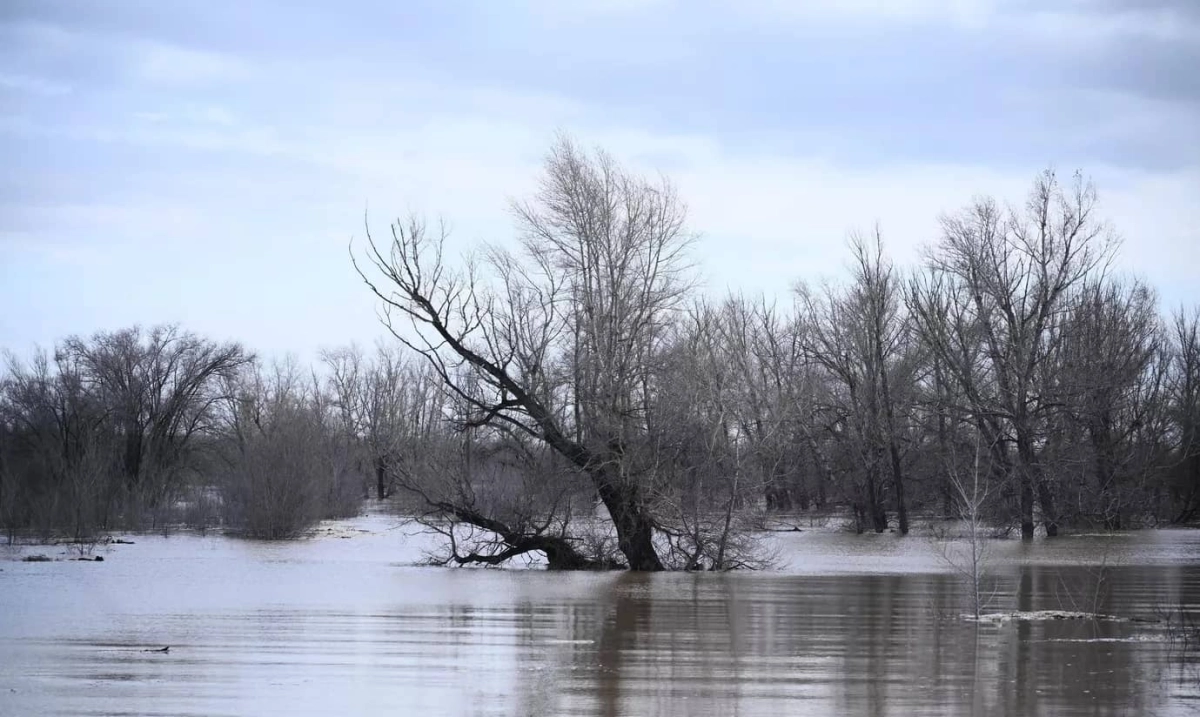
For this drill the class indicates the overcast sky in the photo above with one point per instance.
(206, 162)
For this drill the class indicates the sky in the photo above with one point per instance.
(209, 162)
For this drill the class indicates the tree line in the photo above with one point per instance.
(576, 396)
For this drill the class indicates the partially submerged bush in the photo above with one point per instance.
(285, 471)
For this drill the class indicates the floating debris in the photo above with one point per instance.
(1043, 615)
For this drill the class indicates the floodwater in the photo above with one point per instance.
(346, 624)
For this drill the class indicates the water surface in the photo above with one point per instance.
(346, 624)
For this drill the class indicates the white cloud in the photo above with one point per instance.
(42, 39)
(582, 11)
(277, 215)
(1083, 26)
(151, 117)
(173, 65)
(1066, 24)
(34, 85)
(967, 13)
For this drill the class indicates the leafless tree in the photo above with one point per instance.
(1110, 432)
(859, 336)
(1184, 407)
(972, 491)
(560, 339)
(371, 397)
(60, 446)
(284, 468)
(772, 397)
(160, 387)
(877, 295)
(991, 305)
(710, 480)
(496, 497)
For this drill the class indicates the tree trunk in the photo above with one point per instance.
(1025, 474)
(890, 416)
(778, 495)
(635, 530)
(898, 477)
(874, 505)
(1102, 445)
(381, 477)
(1049, 516)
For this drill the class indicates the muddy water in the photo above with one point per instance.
(345, 624)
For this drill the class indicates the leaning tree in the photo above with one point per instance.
(558, 340)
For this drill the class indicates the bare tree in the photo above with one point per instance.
(371, 398)
(1110, 384)
(877, 296)
(1184, 407)
(765, 349)
(710, 477)
(495, 497)
(991, 306)
(971, 494)
(160, 388)
(560, 343)
(859, 336)
(284, 467)
(60, 446)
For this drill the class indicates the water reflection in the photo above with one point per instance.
(306, 629)
(876, 645)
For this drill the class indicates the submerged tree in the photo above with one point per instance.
(283, 467)
(859, 336)
(160, 388)
(559, 342)
(107, 431)
(1111, 431)
(990, 308)
(1183, 389)
(373, 400)
(61, 458)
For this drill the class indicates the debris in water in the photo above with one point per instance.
(1041, 615)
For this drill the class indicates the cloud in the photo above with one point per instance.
(34, 85)
(1099, 22)
(210, 167)
(166, 64)
(970, 14)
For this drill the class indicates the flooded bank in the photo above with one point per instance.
(347, 624)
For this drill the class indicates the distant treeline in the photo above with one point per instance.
(525, 388)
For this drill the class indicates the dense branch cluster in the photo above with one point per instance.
(574, 397)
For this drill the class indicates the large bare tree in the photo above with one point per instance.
(1110, 382)
(991, 309)
(858, 335)
(558, 340)
(161, 386)
(1184, 407)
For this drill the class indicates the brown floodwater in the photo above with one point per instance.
(347, 624)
